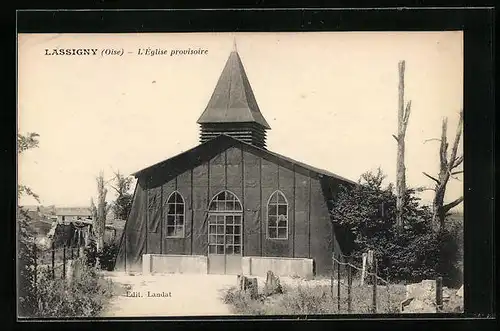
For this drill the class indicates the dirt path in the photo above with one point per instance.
(169, 295)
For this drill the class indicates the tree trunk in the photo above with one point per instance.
(248, 285)
(403, 116)
(446, 171)
(101, 215)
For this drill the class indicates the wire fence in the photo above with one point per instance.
(54, 260)
(359, 289)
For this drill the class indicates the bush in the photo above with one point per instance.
(365, 219)
(90, 253)
(26, 274)
(85, 296)
(107, 256)
(306, 300)
(241, 303)
(451, 257)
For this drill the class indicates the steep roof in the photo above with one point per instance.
(193, 156)
(233, 99)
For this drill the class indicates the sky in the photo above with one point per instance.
(331, 99)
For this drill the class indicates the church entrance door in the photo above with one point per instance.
(225, 235)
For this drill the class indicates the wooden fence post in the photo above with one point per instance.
(363, 268)
(374, 277)
(439, 294)
(53, 261)
(64, 262)
(349, 287)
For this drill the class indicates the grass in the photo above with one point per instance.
(307, 299)
(312, 300)
(86, 295)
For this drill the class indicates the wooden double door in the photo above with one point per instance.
(225, 244)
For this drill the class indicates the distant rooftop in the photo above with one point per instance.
(30, 208)
(41, 208)
(73, 211)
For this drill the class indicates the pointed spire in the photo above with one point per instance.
(235, 48)
(232, 110)
(233, 99)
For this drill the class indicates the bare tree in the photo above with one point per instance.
(447, 169)
(93, 209)
(403, 116)
(100, 212)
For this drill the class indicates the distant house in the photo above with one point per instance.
(43, 210)
(72, 214)
(48, 211)
(30, 208)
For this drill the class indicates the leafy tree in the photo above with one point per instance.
(123, 203)
(26, 238)
(364, 218)
(25, 142)
(29, 141)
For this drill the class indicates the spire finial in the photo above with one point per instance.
(235, 49)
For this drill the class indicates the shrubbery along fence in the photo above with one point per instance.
(57, 260)
(359, 289)
(63, 281)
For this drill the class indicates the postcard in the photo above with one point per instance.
(235, 174)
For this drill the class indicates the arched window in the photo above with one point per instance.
(225, 201)
(277, 216)
(175, 215)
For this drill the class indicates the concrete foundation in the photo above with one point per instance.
(170, 263)
(250, 265)
(280, 266)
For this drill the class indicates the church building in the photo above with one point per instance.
(230, 205)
